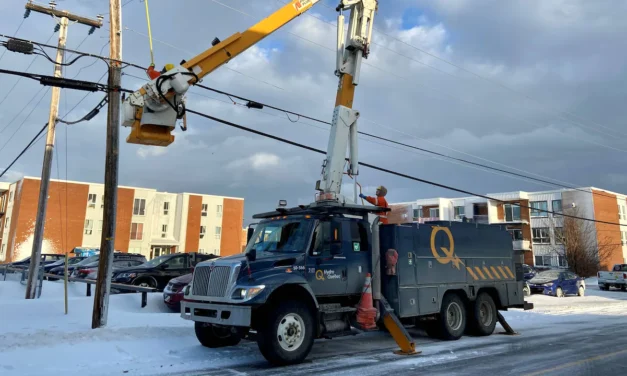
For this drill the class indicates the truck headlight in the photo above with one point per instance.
(245, 293)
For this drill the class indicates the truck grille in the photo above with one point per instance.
(211, 283)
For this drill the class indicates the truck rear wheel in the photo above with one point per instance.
(287, 334)
(482, 315)
(451, 324)
(214, 336)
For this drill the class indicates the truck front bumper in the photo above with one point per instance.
(222, 314)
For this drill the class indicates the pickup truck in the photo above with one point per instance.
(616, 278)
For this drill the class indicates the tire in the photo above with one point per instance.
(287, 334)
(604, 287)
(580, 291)
(559, 292)
(623, 288)
(145, 282)
(214, 336)
(452, 322)
(482, 315)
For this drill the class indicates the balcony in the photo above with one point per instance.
(521, 245)
(480, 218)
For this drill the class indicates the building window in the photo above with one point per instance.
(100, 226)
(623, 238)
(139, 206)
(102, 204)
(6, 222)
(417, 214)
(203, 210)
(622, 214)
(166, 208)
(218, 232)
(11, 196)
(541, 235)
(516, 234)
(559, 235)
(512, 212)
(434, 213)
(459, 211)
(539, 208)
(4, 247)
(203, 230)
(219, 210)
(164, 231)
(137, 231)
(89, 225)
(556, 206)
(201, 250)
(91, 200)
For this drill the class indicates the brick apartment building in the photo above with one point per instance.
(534, 231)
(148, 222)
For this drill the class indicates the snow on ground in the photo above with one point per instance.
(36, 335)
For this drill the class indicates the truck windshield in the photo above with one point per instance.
(281, 236)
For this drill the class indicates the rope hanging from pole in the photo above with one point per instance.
(151, 69)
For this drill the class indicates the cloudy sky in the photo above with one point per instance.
(551, 100)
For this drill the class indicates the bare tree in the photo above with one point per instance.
(578, 241)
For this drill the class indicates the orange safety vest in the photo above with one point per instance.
(379, 201)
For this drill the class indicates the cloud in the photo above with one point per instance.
(565, 55)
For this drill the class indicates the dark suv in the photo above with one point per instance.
(160, 270)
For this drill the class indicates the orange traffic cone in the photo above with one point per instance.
(366, 313)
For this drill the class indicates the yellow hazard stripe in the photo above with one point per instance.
(487, 272)
(509, 272)
(479, 272)
(472, 274)
(498, 276)
(502, 272)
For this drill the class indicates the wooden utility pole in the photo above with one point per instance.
(65, 16)
(107, 242)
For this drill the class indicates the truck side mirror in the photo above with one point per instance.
(249, 234)
(251, 255)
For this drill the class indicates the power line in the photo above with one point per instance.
(395, 142)
(31, 143)
(392, 172)
(465, 100)
(26, 70)
(15, 33)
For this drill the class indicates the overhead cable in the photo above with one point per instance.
(392, 172)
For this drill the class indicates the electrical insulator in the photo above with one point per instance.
(57, 27)
(27, 13)
(91, 30)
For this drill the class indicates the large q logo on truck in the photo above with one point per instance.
(448, 254)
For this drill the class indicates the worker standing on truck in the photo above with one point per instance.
(378, 201)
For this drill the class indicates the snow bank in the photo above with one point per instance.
(36, 335)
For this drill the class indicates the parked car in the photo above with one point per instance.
(61, 263)
(173, 292)
(91, 272)
(557, 283)
(46, 258)
(616, 278)
(160, 270)
(120, 261)
(529, 272)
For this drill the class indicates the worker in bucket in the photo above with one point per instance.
(378, 201)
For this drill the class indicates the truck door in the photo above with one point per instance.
(326, 263)
(358, 256)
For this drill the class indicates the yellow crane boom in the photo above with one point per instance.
(152, 111)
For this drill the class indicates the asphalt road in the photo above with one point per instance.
(593, 345)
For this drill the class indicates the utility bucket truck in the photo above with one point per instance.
(329, 268)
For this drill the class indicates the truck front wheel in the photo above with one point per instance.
(287, 334)
(214, 336)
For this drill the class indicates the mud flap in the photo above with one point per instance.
(397, 330)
